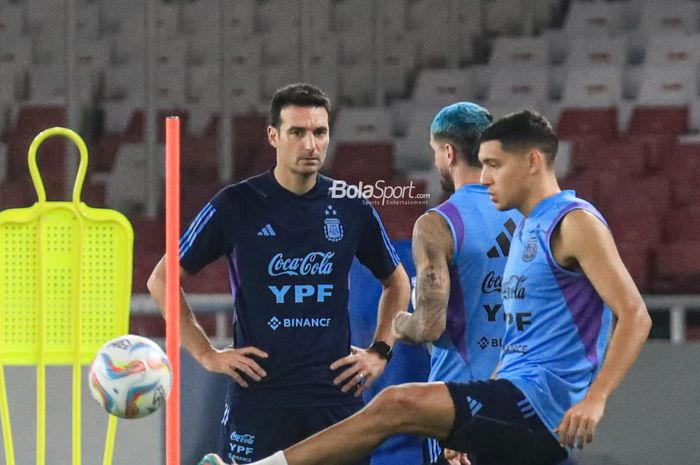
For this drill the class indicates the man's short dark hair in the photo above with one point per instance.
(300, 94)
(524, 130)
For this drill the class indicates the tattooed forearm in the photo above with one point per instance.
(432, 250)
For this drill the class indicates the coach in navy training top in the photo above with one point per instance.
(289, 245)
(289, 256)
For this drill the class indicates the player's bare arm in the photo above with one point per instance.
(229, 361)
(432, 252)
(364, 366)
(585, 243)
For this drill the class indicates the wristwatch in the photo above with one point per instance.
(383, 349)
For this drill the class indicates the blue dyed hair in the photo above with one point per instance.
(461, 124)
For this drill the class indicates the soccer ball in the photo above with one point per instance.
(130, 377)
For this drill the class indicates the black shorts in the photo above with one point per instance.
(496, 425)
(250, 433)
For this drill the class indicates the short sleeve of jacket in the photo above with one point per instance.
(375, 250)
(210, 235)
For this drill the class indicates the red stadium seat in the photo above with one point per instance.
(658, 120)
(586, 186)
(640, 195)
(366, 162)
(597, 122)
(683, 166)
(625, 156)
(634, 228)
(678, 267)
(252, 152)
(637, 259)
(682, 224)
(199, 158)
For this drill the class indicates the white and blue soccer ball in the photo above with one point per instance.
(130, 377)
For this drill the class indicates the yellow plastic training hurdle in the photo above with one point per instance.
(65, 289)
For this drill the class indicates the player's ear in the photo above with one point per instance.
(536, 160)
(451, 154)
(272, 135)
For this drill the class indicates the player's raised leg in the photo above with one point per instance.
(421, 409)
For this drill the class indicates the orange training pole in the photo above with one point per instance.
(172, 285)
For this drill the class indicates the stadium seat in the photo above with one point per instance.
(252, 152)
(167, 20)
(356, 86)
(321, 67)
(17, 194)
(11, 21)
(200, 158)
(682, 166)
(352, 22)
(682, 224)
(16, 54)
(518, 86)
(203, 86)
(597, 51)
(357, 124)
(673, 50)
(127, 182)
(630, 227)
(239, 19)
(242, 66)
(115, 13)
(47, 85)
(43, 15)
(127, 43)
(87, 21)
(30, 121)
(442, 86)
(398, 65)
(638, 260)
(118, 87)
(678, 17)
(412, 150)
(660, 120)
(469, 28)
(586, 186)
(508, 17)
(642, 195)
(92, 59)
(668, 85)
(366, 162)
(425, 18)
(624, 157)
(594, 19)
(318, 17)
(677, 267)
(600, 123)
(520, 51)
(8, 88)
(599, 86)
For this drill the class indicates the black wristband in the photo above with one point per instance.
(382, 349)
